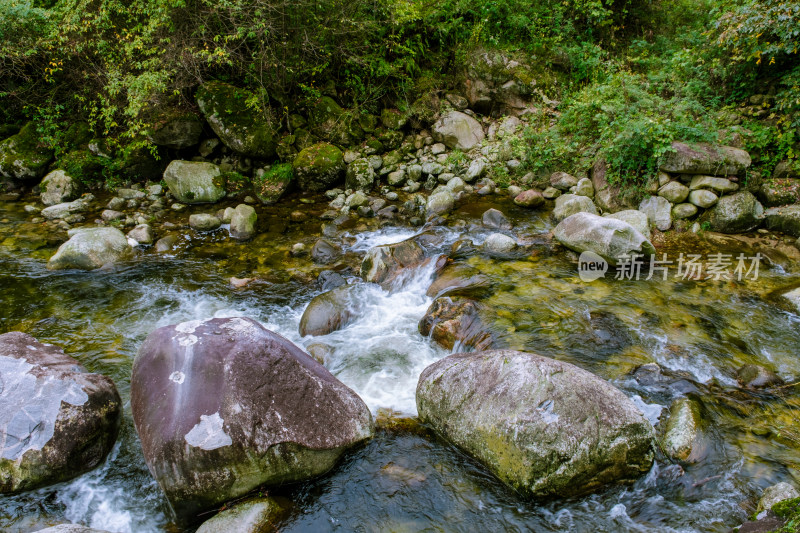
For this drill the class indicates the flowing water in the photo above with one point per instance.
(406, 479)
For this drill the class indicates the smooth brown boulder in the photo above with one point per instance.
(223, 406)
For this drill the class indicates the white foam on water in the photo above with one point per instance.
(390, 235)
(381, 354)
(102, 503)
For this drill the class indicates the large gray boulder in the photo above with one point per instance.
(569, 204)
(58, 187)
(735, 213)
(57, 421)
(194, 182)
(702, 158)
(65, 209)
(91, 248)
(607, 237)
(785, 219)
(544, 427)
(223, 406)
(440, 203)
(360, 175)
(240, 128)
(458, 131)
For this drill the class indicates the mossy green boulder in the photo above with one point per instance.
(240, 128)
(22, 157)
(544, 427)
(330, 122)
(318, 167)
(270, 183)
(176, 129)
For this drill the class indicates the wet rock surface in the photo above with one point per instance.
(239, 407)
(57, 420)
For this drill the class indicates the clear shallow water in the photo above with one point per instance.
(406, 479)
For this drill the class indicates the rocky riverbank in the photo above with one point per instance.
(225, 406)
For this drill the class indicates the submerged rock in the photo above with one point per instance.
(256, 515)
(454, 322)
(383, 264)
(458, 279)
(609, 238)
(91, 248)
(331, 311)
(757, 377)
(194, 182)
(57, 421)
(223, 406)
(544, 427)
(683, 430)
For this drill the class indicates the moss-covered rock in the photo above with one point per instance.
(270, 183)
(330, 122)
(22, 157)
(544, 427)
(393, 119)
(240, 128)
(360, 175)
(175, 129)
(318, 167)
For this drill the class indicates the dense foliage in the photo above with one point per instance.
(635, 74)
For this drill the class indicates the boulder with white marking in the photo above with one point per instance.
(57, 421)
(223, 406)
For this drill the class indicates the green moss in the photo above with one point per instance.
(270, 185)
(232, 182)
(237, 118)
(22, 157)
(788, 510)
